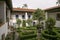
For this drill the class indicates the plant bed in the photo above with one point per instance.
(27, 33)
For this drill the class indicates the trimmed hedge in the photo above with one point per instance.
(28, 36)
(46, 36)
(27, 33)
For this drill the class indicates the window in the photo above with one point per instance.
(33, 23)
(29, 16)
(17, 16)
(23, 16)
(58, 17)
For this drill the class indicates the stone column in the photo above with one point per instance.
(26, 17)
(8, 12)
(4, 10)
(8, 16)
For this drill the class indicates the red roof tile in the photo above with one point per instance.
(23, 9)
(52, 8)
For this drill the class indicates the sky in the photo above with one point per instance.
(34, 4)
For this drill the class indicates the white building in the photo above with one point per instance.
(22, 14)
(54, 12)
(5, 9)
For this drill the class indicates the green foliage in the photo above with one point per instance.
(53, 35)
(10, 36)
(28, 36)
(18, 29)
(39, 14)
(24, 23)
(26, 33)
(50, 23)
(29, 21)
(18, 21)
(28, 28)
(58, 2)
(50, 33)
(25, 5)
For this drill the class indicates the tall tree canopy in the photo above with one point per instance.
(39, 15)
(58, 2)
(25, 6)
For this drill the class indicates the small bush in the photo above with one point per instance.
(24, 23)
(18, 21)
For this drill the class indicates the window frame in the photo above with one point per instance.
(23, 16)
(29, 16)
(17, 16)
(58, 17)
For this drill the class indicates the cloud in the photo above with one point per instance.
(34, 3)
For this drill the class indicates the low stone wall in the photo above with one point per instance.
(3, 30)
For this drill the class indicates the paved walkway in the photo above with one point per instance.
(16, 36)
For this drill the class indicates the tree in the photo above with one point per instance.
(29, 21)
(24, 6)
(18, 22)
(39, 15)
(50, 33)
(58, 2)
(50, 23)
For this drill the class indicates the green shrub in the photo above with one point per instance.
(24, 23)
(29, 21)
(28, 36)
(27, 32)
(50, 33)
(50, 23)
(18, 21)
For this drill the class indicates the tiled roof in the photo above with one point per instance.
(24, 9)
(55, 7)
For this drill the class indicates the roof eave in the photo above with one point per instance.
(9, 4)
(53, 10)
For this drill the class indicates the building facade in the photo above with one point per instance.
(54, 12)
(22, 14)
(25, 14)
(5, 10)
